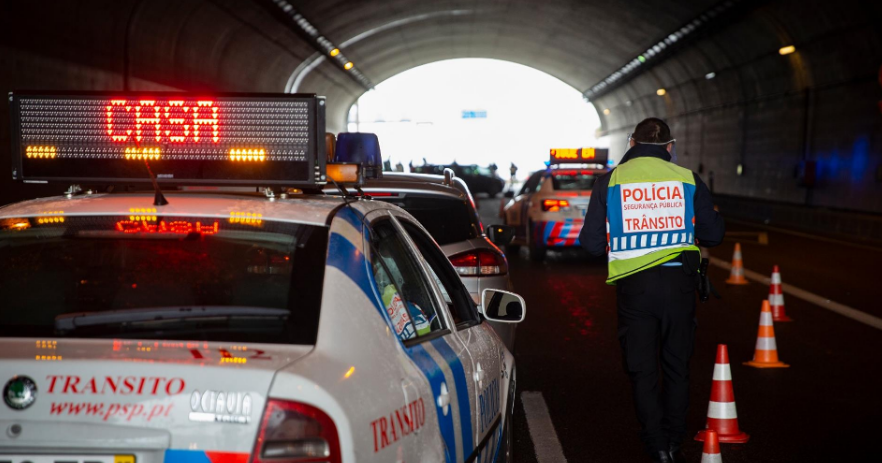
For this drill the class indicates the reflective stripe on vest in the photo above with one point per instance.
(650, 215)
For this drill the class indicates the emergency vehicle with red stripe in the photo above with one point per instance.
(549, 209)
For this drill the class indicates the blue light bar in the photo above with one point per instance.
(361, 148)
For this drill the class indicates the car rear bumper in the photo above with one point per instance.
(558, 234)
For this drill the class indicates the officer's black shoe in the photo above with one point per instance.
(661, 456)
(677, 454)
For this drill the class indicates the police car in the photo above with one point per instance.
(215, 326)
(445, 207)
(548, 211)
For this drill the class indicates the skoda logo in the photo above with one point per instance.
(20, 392)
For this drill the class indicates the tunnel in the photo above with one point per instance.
(775, 105)
(772, 134)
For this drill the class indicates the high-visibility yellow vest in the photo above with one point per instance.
(650, 215)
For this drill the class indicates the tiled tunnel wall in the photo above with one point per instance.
(769, 113)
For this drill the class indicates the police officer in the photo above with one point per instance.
(649, 214)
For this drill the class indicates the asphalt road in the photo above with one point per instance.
(826, 407)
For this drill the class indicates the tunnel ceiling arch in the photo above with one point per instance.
(565, 38)
(762, 113)
(239, 45)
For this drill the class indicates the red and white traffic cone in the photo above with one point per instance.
(776, 298)
(722, 416)
(766, 354)
(711, 451)
(736, 276)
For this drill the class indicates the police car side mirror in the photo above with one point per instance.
(502, 306)
(508, 194)
(500, 235)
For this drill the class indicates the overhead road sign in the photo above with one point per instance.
(474, 114)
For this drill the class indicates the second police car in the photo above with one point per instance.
(228, 327)
(548, 211)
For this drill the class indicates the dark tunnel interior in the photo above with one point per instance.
(801, 129)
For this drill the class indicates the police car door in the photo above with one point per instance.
(474, 337)
(439, 368)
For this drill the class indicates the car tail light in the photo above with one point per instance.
(479, 263)
(554, 205)
(293, 432)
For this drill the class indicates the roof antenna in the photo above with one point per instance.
(158, 198)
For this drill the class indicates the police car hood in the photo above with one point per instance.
(78, 395)
(302, 209)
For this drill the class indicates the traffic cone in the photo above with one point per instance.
(766, 355)
(736, 277)
(711, 451)
(722, 416)
(776, 298)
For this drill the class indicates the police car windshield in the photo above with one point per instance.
(198, 278)
(572, 180)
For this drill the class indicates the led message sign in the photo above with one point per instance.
(579, 155)
(186, 139)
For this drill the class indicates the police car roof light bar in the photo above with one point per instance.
(361, 148)
(262, 140)
(579, 156)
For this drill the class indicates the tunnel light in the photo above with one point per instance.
(316, 39)
(348, 65)
(661, 92)
(710, 75)
(653, 53)
(786, 50)
(606, 111)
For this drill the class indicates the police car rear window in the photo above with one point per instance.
(151, 277)
(448, 220)
(572, 180)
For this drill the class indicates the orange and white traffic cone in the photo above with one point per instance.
(776, 298)
(722, 417)
(766, 355)
(711, 451)
(736, 277)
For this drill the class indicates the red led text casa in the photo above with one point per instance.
(181, 227)
(171, 121)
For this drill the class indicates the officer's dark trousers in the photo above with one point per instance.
(656, 311)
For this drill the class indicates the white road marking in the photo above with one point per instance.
(545, 441)
(813, 298)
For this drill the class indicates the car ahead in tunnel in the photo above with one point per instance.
(227, 326)
(549, 209)
(479, 179)
(445, 207)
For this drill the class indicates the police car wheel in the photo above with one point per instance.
(537, 254)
